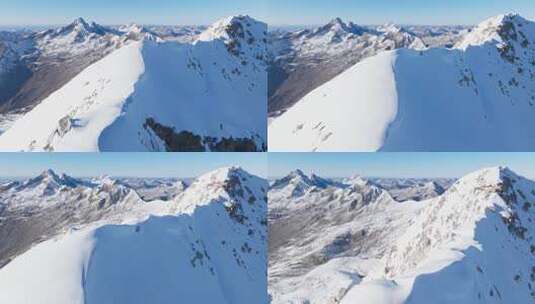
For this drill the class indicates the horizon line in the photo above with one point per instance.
(278, 25)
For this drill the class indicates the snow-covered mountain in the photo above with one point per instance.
(38, 208)
(477, 96)
(150, 189)
(149, 94)
(206, 245)
(318, 236)
(305, 59)
(45, 61)
(471, 244)
(414, 189)
(181, 33)
(33, 64)
(77, 37)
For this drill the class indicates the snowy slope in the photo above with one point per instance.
(41, 207)
(35, 63)
(305, 59)
(478, 96)
(472, 244)
(321, 121)
(206, 246)
(325, 239)
(151, 95)
(45, 61)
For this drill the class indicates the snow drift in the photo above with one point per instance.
(477, 96)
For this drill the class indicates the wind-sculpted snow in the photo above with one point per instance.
(152, 95)
(471, 244)
(477, 96)
(207, 245)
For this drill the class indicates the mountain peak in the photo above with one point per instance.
(218, 178)
(49, 173)
(107, 180)
(494, 180)
(298, 176)
(502, 29)
(489, 176)
(505, 18)
(336, 20)
(297, 173)
(356, 180)
(391, 28)
(319, 181)
(77, 31)
(338, 23)
(80, 22)
(337, 27)
(239, 27)
(243, 36)
(434, 186)
(232, 184)
(135, 31)
(455, 218)
(299, 182)
(225, 172)
(50, 181)
(81, 26)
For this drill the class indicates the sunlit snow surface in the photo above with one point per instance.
(213, 87)
(477, 96)
(191, 249)
(471, 244)
(333, 118)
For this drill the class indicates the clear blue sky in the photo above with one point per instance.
(398, 164)
(39, 12)
(398, 11)
(275, 12)
(280, 164)
(128, 164)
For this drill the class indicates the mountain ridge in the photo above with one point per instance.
(461, 241)
(112, 95)
(486, 81)
(214, 233)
